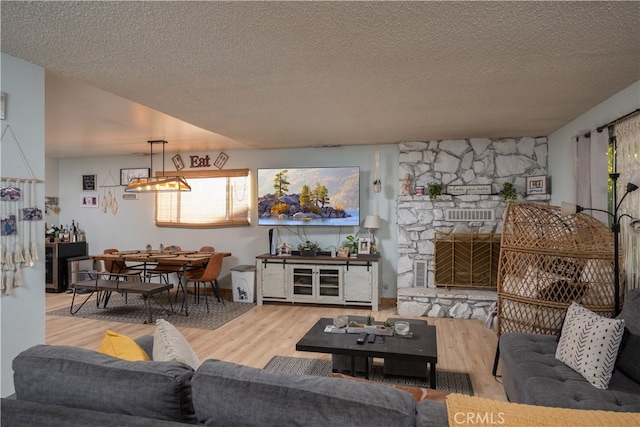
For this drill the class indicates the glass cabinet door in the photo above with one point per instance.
(329, 282)
(303, 281)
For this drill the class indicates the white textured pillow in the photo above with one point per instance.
(170, 345)
(589, 344)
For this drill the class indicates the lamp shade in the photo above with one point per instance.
(372, 222)
(634, 181)
(567, 209)
(161, 183)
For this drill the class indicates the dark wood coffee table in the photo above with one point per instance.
(421, 347)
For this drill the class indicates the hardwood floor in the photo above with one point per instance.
(273, 329)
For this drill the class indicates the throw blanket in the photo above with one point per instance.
(475, 411)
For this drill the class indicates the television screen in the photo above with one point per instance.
(309, 196)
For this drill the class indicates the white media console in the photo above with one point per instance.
(318, 280)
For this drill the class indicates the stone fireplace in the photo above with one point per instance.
(456, 162)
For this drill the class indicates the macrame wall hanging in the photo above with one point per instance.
(109, 201)
(18, 213)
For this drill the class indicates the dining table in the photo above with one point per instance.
(187, 260)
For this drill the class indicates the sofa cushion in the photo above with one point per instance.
(85, 379)
(22, 413)
(628, 360)
(430, 413)
(631, 311)
(122, 347)
(531, 374)
(629, 357)
(229, 394)
(170, 345)
(589, 344)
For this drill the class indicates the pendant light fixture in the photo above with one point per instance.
(157, 183)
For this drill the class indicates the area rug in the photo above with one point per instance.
(134, 311)
(455, 382)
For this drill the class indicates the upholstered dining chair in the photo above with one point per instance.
(118, 267)
(198, 271)
(209, 275)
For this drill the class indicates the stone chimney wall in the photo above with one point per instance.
(458, 162)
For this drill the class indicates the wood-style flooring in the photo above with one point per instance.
(273, 329)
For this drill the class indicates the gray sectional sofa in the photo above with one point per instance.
(531, 374)
(68, 386)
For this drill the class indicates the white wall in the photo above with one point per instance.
(133, 226)
(560, 155)
(22, 313)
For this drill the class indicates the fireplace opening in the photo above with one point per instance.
(467, 260)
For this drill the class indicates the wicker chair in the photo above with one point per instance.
(546, 262)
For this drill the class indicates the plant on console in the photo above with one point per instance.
(352, 243)
(309, 248)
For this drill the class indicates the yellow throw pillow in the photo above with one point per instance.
(122, 347)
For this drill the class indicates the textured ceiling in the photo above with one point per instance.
(242, 75)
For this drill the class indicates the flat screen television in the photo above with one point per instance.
(328, 196)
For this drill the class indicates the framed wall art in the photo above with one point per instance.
(88, 183)
(126, 175)
(221, 160)
(536, 185)
(89, 200)
(177, 162)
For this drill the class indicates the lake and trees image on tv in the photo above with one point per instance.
(309, 196)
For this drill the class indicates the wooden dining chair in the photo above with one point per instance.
(209, 275)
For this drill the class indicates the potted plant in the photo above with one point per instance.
(508, 192)
(352, 243)
(377, 185)
(435, 189)
(308, 248)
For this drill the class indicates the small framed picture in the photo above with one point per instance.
(364, 245)
(177, 162)
(89, 200)
(343, 252)
(536, 184)
(221, 160)
(126, 175)
(88, 183)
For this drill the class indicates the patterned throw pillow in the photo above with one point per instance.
(589, 344)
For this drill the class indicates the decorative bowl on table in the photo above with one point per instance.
(341, 321)
(401, 328)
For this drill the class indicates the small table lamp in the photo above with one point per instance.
(372, 222)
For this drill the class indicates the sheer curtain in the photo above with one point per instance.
(591, 172)
(628, 158)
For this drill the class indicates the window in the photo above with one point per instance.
(217, 199)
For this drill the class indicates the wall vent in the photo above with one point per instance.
(420, 274)
(476, 214)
